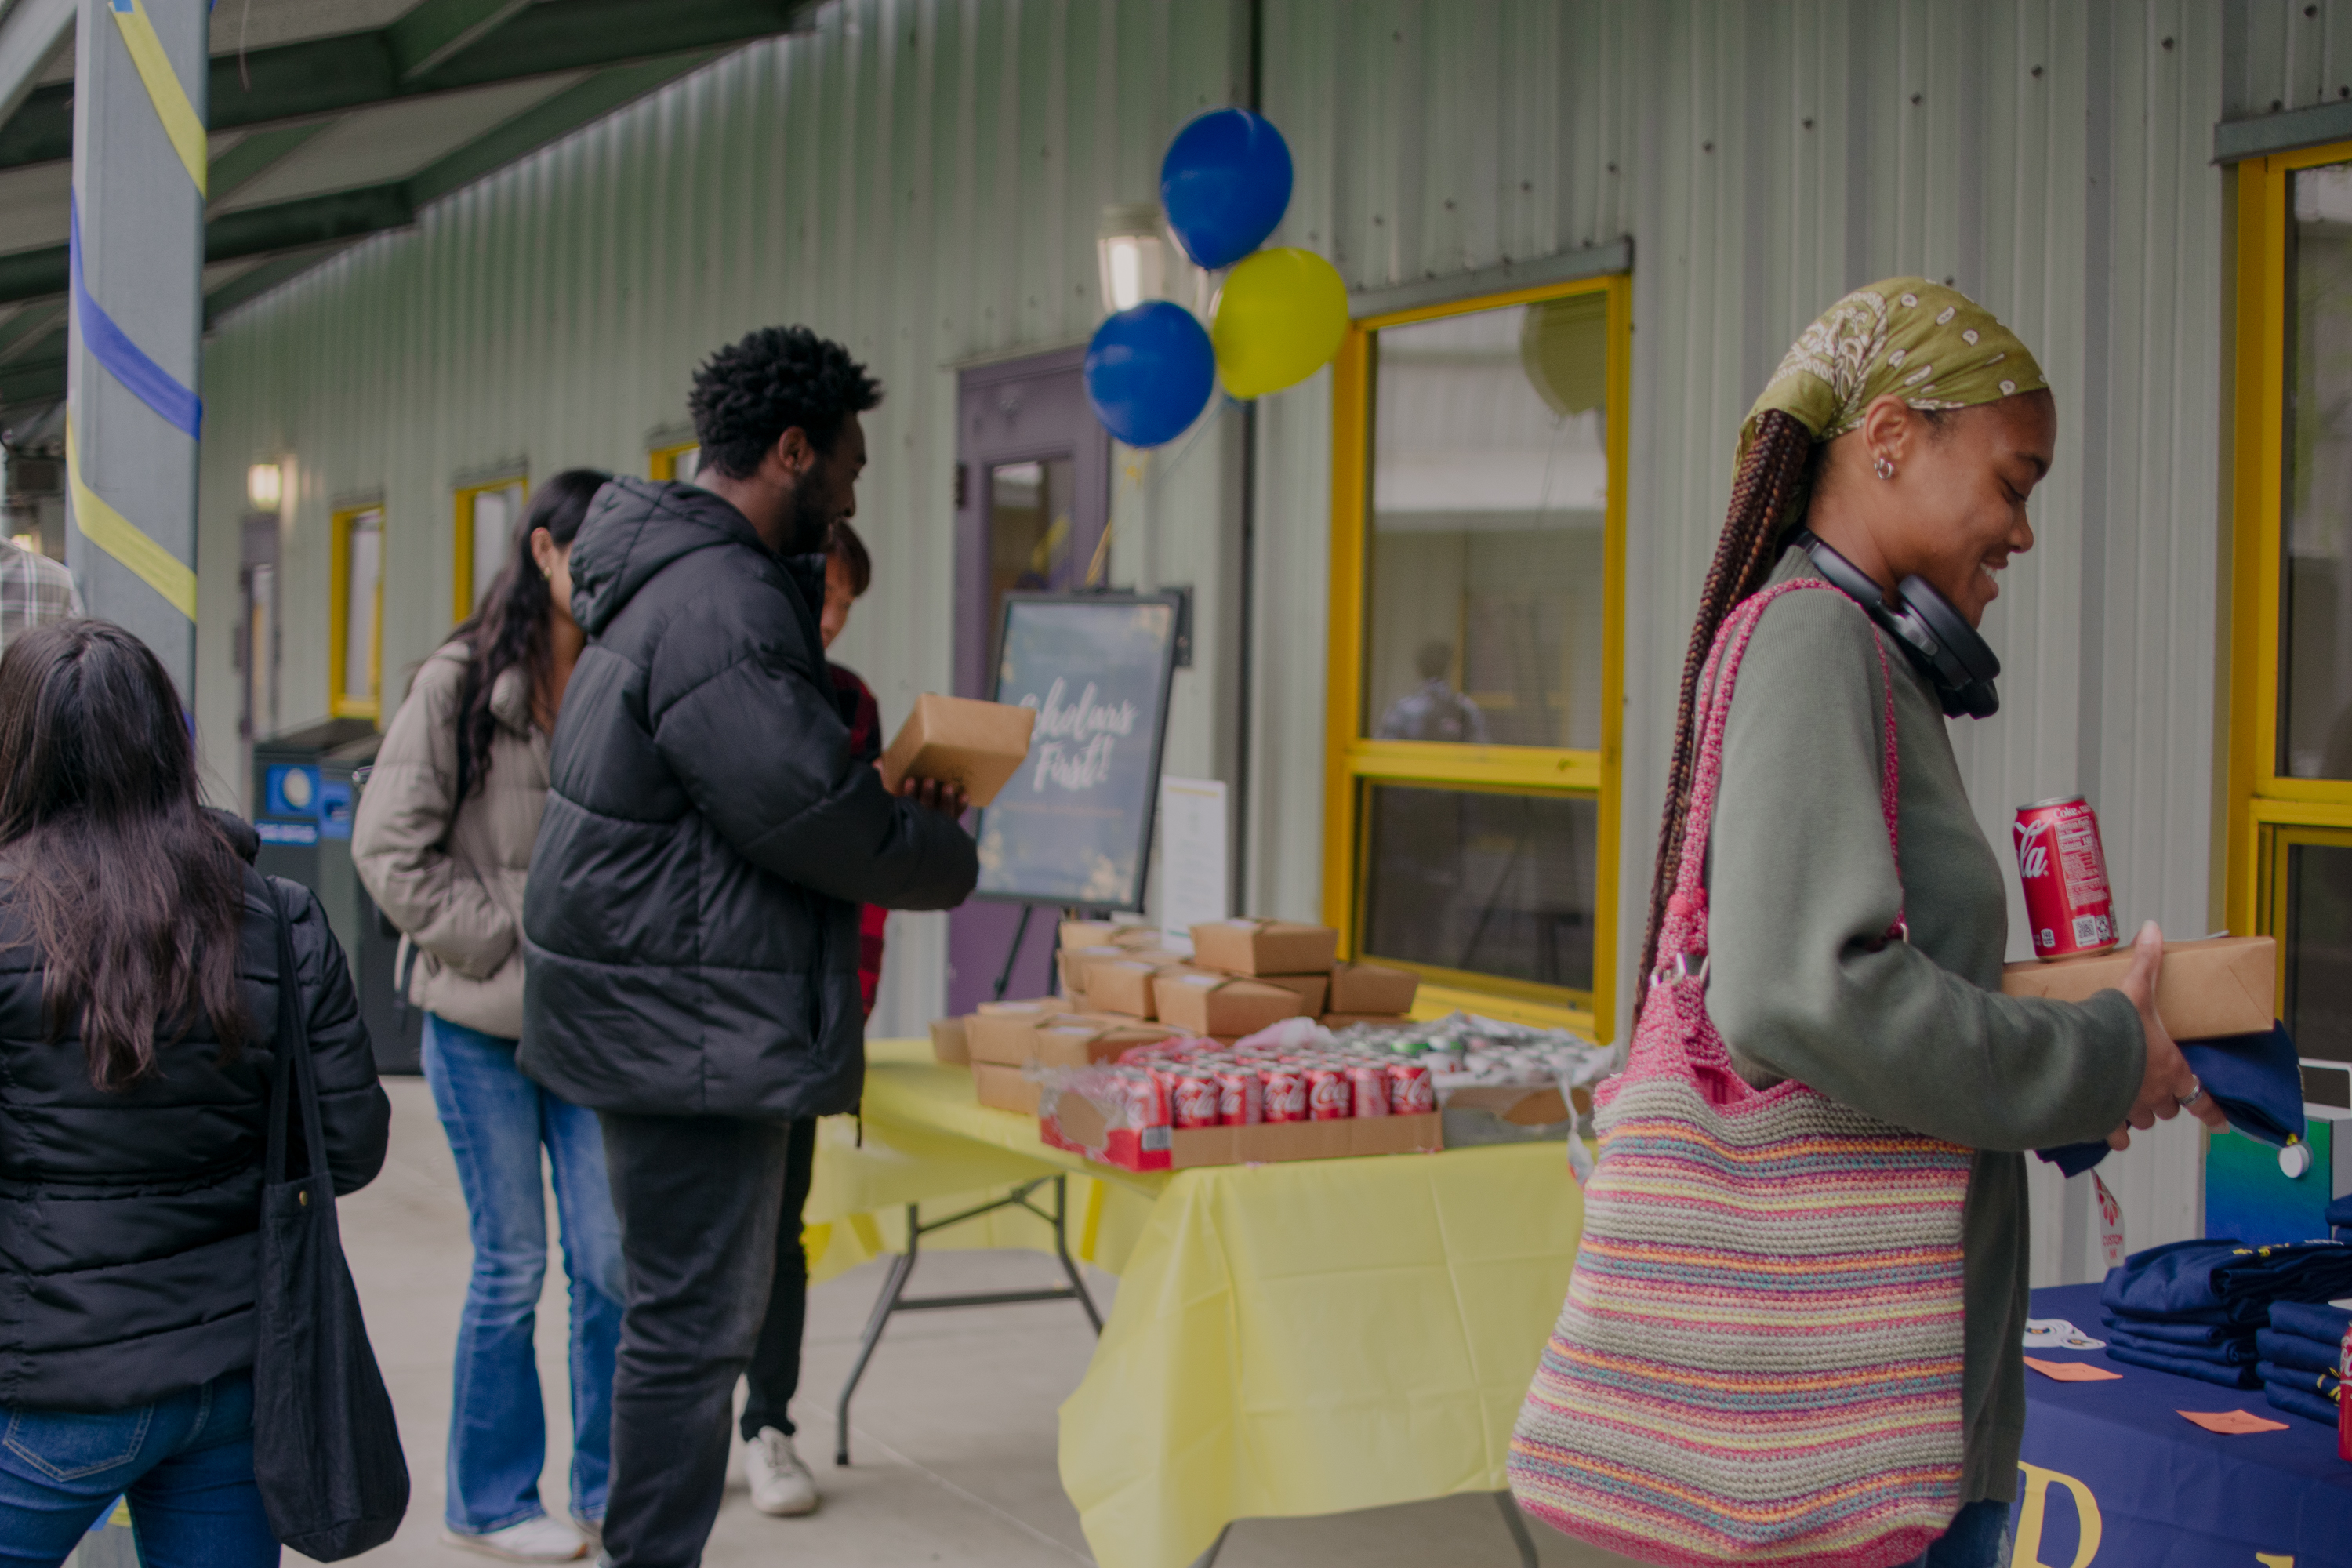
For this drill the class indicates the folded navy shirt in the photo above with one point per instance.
(2295, 1351)
(2241, 1375)
(2300, 1392)
(2311, 1320)
(2257, 1080)
(2174, 1333)
(2225, 1281)
(2237, 1350)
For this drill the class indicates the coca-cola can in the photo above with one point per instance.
(1241, 1097)
(1326, 1094)
(1146, 1104)
(1367, 1088)
(1286, 1094)
(1195, 1103)
(2068, 905)
(1411, 1092)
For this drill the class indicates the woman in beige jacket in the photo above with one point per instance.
(443, 837)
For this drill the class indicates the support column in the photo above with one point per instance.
(138, 246)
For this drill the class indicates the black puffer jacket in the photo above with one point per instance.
(691, 919)
(127, 1220)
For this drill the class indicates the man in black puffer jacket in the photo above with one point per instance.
(690, 917)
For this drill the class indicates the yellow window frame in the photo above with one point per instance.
(2265, 811)
(2276, 840)
(461, 567)
(1352, 763)
(339, 704)
(661, 463)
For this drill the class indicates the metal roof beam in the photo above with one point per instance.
(439, 30)
(29, 37)
(333, 75)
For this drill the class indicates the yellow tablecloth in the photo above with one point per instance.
(1293, 1339)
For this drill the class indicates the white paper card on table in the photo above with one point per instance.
(1193, 858)
(2057, 1335)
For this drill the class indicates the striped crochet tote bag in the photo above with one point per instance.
(1760, 1357)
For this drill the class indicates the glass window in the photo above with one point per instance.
(496, 512)
(2318, 948)
(1029, 537)
(1489, 495)
(356, 610)
(1482, 882)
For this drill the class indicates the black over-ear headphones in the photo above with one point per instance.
(1959, 662)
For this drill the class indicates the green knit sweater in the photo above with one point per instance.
(1802, 888)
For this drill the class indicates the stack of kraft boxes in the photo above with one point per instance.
(1120, 987)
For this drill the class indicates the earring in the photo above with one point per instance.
(1883, 467)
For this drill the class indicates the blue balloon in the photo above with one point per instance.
(1225, 183)
(1149, 372)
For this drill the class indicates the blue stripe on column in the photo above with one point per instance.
(124, 360)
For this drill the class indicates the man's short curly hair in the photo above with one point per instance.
(750, 393)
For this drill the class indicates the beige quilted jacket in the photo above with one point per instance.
(451, 876)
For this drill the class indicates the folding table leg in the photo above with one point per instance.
(893, 1285)
(1519, 1529)
(1062, 1251)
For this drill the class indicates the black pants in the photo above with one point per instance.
(775, 1372)
(699, 1198)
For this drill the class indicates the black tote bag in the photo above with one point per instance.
(326, 1447)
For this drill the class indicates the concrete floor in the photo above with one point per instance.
(953, 1432)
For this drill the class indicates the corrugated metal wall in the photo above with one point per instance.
(920, 178)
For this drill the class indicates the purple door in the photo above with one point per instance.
(1032, 503)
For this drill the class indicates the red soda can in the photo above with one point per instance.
(1195, 1101)
(1411, 1092)
(1241, 1097)
(1326, 1094)
(1146, 1106)
(1286, 1094)
(1368, 1089)
(2068, 905)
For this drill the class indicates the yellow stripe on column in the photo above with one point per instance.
(181, 122)
(122, 539)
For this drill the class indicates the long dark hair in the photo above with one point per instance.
(1770, 482)
(511, 626)
(134, 898)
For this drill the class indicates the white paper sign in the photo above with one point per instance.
(1194, 856)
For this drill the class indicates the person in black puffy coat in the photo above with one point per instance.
(690, 915)
(139, 982)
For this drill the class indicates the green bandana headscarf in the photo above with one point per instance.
(1933, 347)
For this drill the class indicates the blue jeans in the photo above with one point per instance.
(497, 1122)
(1977, 1537)
(185, 1463)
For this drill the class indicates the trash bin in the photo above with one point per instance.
(303, 792)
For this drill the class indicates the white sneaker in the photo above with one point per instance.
(540, 1540)
(781, 1484)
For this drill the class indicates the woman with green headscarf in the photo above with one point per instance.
(1904, 432)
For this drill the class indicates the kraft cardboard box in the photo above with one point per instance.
(959, 740)
(1372, 988)
(2220, 985)
(1203, 1002)
(1004, 1032)
(1106, 933)
(1072, 963)
(1309, 988)
(948, 1043)
(1124, 986)
(1003, 1089)
(1265, 947)
(1081, 1042)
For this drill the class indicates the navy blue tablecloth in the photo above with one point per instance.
(2114, 1468)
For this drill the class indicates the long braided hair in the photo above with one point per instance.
(1772, 479)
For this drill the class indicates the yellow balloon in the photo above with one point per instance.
(1279, 319)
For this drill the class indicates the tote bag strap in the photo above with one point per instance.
(1682, 937)
(293, 1081)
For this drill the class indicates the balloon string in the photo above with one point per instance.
(1193, 437)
